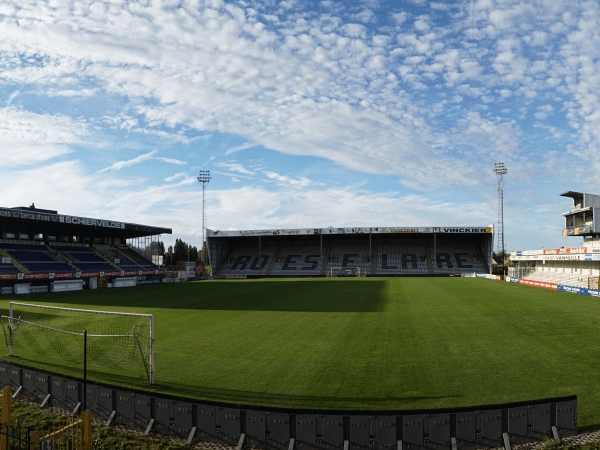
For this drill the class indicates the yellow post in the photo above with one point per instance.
(86, 430)
(5, 417)
(6, 398)
(34, 442)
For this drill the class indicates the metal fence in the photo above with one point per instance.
(76, 435)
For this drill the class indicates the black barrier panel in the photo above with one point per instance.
(306, 428)
(14, 377)
(71, 394)
(540, 420)
(231, 424)
(206, 420)
(124, 404)
(360, 431)
(566, 418)
(412, 431)
(256, 425)
(41, 384)
(4, 378)
(56, 389)
(438, 431)
(466, 430)
(142, 409)
(490, 427)
(28, 382)
(162, 414)
(183, 418)
(105, 401)
(386, 431)
(91, 400)
(333, 430)
(517, 424)
(278, 427)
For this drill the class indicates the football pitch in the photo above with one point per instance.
(374, 343)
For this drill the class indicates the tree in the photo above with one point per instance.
(180, 251)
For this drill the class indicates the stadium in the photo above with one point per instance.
(353, 338)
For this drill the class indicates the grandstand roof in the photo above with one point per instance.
(349, 230)
(50, 222)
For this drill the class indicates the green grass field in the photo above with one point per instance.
(399, 343)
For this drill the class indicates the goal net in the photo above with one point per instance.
(344, 271)
(116, 341)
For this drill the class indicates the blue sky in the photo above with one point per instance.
(307, 114)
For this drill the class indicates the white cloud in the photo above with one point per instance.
(29, 138)
(120, 165)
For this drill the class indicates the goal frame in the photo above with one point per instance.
(340, 268)
(91, 311)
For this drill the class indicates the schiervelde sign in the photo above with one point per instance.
(90, 222)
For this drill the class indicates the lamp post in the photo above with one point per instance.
(204, 178)
(500, 170)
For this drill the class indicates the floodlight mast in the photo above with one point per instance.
(204, 178)
(500, 170)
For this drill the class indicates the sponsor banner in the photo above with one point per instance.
(148, 272)
(114, 273)
(541, 284)
(35, 276)
(64, 275)
(512, 280)
(354, 230)
(464, 230)
(552, 258)
(90, 222)
(593, 292)
(490, 277)
(565, 251)
(8, 276)
(127, 273)
(577, 231)
(27, 215)
(90, 274)
(573, 289)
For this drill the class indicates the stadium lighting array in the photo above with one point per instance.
(204, 178)
(500, 170)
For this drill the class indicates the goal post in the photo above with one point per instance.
(344, 272)
(116, 341)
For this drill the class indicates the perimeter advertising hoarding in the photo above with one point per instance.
(351, 230)
(565, 251)
(542, 284)
(572, 257)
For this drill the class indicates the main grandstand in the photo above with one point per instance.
(577, 267)
(380, 251)
(41, 249)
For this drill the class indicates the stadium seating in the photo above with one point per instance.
(391, 256)
(84, 258)
(36, 258)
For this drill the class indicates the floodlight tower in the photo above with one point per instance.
(500, 170)
(204, 178)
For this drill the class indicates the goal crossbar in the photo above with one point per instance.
(141, 332)
(15, 319)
